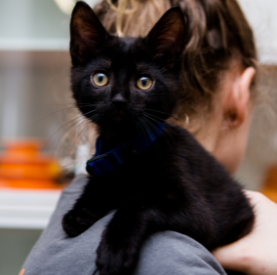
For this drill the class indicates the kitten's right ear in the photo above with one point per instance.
(87, 34)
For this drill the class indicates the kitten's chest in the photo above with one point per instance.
(142, 175)
(156, 170)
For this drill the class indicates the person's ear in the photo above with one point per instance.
(87, 34)
(238, 100)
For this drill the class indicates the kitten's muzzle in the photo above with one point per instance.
(119, 102)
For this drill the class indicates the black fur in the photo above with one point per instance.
(174, 184)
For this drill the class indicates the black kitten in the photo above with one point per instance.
(129, 87)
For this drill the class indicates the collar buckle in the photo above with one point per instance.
(101, 165)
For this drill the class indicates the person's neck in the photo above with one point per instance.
(217, 139)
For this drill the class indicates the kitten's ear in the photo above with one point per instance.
(168, 37)
(87, 34)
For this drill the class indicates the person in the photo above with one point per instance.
(216, 106)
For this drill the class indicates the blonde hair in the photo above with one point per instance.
(122, 19)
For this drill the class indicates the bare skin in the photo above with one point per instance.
(255, 254)
(225, 135)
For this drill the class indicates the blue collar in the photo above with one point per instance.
(103, 164)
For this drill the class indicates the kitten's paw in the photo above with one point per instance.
(113, 260)
(76, 222)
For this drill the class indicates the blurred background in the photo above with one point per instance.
(36, 112)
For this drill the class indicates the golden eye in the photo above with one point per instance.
(144, 83)
(100, 79)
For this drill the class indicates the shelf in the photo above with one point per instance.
(27, 209)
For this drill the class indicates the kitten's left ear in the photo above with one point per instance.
(168, 37)
(87, 34)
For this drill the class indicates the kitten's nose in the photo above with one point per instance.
(118, 101)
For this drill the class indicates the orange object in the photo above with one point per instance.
(23, 166)
(269, 187)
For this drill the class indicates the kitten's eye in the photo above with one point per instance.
(100, 79)
(144, 83)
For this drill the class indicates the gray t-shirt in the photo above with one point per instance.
(164, 253)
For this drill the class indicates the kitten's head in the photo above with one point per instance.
(121, 82)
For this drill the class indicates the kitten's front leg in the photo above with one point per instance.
(117, 253)
(122, 239)
(79, 219)
(88, 209)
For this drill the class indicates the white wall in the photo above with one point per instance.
(262, 17)
(32, 24)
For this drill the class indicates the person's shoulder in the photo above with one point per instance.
(169, 252)
(165, 252)
(162, 253)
